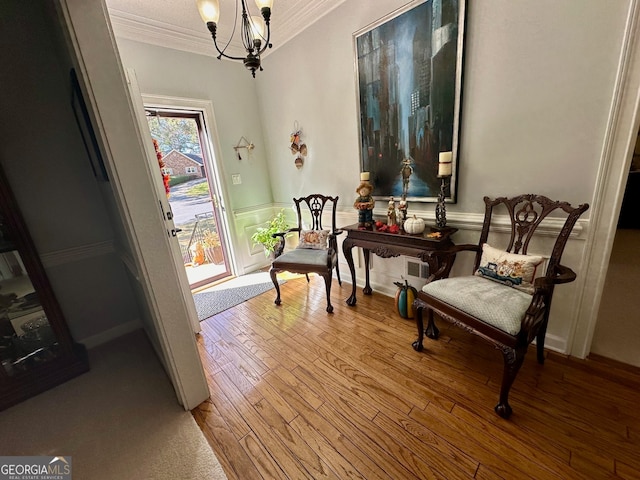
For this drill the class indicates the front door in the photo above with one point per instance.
(191, 185)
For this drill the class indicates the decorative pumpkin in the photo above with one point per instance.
(197, 253)
(414, 226)
(404, 299)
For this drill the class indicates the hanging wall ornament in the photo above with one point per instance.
(297, 148)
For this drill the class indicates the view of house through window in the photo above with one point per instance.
(187, 173)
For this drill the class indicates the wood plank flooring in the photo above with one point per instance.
(297, 393)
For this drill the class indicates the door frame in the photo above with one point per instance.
(619, 141)
(147, 252)
(212, 156)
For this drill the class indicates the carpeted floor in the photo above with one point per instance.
(231, 293)
(121, 420)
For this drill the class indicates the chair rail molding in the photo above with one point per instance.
(77, 254)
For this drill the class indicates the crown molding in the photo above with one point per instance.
(133, 27)
(299, 16)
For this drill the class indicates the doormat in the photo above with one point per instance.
(231, 293)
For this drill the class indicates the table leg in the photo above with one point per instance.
(348, 255)
(367, 288)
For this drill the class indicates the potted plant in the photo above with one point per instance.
(264, 235)
(212, 247)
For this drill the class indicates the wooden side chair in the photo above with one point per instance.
(317, 250)
(503, 301)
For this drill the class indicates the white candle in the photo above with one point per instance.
(364, 176)
(444, 164)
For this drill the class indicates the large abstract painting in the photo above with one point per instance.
(409, 81)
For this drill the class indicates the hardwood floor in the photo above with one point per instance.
(298, 393)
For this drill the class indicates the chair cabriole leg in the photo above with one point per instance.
(273, 273)
(327, 283)
(513, 359)
(417, 345)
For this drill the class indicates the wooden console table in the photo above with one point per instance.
(388, 245)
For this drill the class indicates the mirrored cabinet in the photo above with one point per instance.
(36, 348)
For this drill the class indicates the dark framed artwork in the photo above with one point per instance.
(86, 129)
(409, 90)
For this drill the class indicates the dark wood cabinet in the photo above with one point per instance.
(36, 348)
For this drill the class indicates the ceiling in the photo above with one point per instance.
(177, 24)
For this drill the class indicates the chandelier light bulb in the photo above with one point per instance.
(209, 10)
(264, 4)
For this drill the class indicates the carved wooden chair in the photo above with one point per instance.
(503, 301)
(317, 250)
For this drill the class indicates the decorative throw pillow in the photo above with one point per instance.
(314, 239)
(511, 269)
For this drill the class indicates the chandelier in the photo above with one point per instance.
(251, 29)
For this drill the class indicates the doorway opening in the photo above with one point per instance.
(192, 188)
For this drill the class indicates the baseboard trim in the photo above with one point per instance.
(555, 343)
(111, 334)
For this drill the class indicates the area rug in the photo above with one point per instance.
(120, 420)
(231, 293)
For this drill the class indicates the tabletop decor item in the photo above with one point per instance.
(402, 211)
(409, 84)
(364, 202)
(414, 225)
(391, 212)
(444, 174)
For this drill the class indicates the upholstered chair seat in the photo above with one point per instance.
(313, 258)
(493, 303)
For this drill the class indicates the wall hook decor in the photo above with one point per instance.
(247, 144)
(297, 147)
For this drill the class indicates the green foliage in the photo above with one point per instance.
(210, 239)
(179, 134)
(264, 235)
(198, 190)
(178, 179)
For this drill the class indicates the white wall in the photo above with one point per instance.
(232, 93)
(231, 90)
(538, 83)
(49, 171)
(539, 79)
(617, 332)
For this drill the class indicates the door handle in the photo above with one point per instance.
(174, 231)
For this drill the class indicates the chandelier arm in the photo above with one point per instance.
(246, 29)
(233, 32)
(266, 42)
(212, 28)
(222, 54)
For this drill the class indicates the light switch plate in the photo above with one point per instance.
(235, 179)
